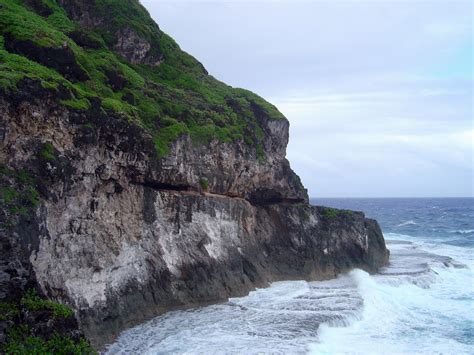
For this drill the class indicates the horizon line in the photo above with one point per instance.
(386, 197)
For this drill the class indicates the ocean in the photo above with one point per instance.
(422, 303)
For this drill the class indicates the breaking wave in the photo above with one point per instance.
(417, 304)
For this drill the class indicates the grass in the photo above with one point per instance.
(77, 104)
(18, 21)
(35, 303)
(178, 89)
(167, 135)
(14, 68)
(331, 213)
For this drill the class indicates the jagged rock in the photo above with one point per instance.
(125, 236)
(121, 233)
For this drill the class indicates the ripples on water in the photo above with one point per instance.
(421, 303)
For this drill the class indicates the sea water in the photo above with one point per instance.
(422, 302)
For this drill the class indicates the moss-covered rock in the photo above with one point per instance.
(113, 51)
(164, 186)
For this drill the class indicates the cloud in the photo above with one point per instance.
(378, 93)
(399, 142)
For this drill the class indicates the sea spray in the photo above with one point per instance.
(400, 316)
(423, 302)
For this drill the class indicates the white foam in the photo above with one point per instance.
(421, 303)
(407, 223)
(462, 231)
(404, 318)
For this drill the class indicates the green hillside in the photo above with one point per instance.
(70, 48)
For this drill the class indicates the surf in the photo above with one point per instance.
(408, 307)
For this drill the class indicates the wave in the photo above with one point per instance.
(407, 223)
(462, 231)
(417, 305)
(459, 250)
(399, 319)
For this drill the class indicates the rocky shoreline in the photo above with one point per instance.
(120, 249)
(93, 218)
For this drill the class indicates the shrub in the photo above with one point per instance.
(204, 183)
(333, 212)
(8, 311)
(330, 213)
(35, 303)
(47, 153)
(24, 339)
(21, 342)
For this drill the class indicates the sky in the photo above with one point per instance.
(378, 93)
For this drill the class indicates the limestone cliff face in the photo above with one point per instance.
(113, 202)
(123, 236)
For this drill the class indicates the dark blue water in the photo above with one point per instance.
(421, 303)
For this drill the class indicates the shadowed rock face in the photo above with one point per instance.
(121, 235)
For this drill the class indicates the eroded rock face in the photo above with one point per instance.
(232, 169)
(134, 48)
(122, 236)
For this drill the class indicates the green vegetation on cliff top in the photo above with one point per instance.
(169, 93)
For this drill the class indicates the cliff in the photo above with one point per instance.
(133, 182)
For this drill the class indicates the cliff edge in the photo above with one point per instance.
(133, 182)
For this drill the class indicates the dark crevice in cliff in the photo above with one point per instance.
(277, 200)
(165, 186)
(258, 198)
(264, 196)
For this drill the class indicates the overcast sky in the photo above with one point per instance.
(378, 93)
